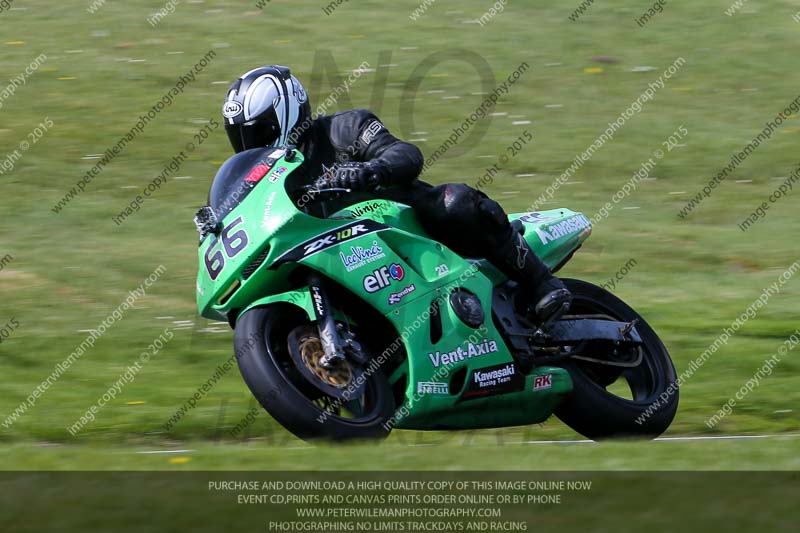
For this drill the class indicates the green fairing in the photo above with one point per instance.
(429, 271)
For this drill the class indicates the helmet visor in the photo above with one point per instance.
(259, 133)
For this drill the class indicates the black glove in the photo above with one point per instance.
(357, 176)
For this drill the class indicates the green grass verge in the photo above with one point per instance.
(693, 277)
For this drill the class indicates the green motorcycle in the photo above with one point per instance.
(350, 321)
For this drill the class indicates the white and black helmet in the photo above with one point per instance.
(264, 107)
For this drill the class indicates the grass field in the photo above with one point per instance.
(62, 274)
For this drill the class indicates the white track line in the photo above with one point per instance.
(585, 441)
(730, 437)
(557, 442)
(673, 439)
(165, 451)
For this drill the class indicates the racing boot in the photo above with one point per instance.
(549, 298)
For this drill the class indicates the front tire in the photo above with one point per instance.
(261, 340)
(595, 412)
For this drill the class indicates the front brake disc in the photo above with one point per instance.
(345, 381)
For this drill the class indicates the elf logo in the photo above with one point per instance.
(543, 382)
(276, 174)
(382, 278)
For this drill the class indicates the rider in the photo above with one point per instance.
(352, 149)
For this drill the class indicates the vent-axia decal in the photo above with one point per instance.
(478, 349)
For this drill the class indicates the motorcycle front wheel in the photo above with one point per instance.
(263, 339)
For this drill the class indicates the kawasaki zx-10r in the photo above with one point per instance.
(350, 322)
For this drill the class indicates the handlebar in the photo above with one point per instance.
(316, 189)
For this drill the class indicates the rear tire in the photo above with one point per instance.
(261, 343)
(591, 409)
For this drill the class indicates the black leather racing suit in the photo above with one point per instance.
(462, 218)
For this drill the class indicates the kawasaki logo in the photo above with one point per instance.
(556, 231)
(491, 378)
(484, 347)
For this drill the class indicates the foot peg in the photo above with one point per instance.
(552, 306)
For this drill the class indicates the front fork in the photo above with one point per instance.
(329, 336)
(338, 342)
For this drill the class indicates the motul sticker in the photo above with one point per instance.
(543, 382)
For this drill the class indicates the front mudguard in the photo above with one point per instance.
(298, 298)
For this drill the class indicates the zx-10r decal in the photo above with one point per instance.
(328, 239)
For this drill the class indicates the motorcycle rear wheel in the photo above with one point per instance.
(598, 413)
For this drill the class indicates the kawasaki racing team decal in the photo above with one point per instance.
(497, 379)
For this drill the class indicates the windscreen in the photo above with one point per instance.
(238, 176)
